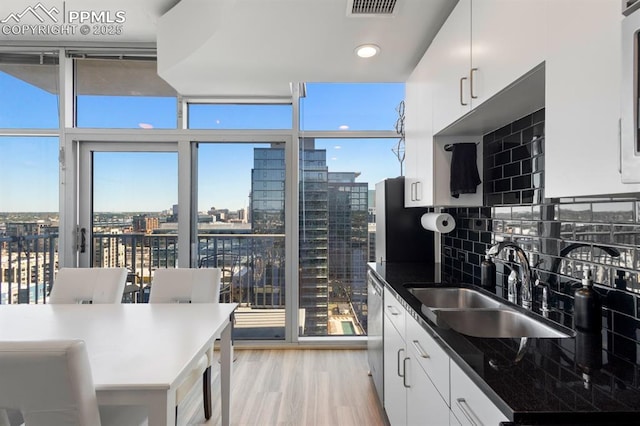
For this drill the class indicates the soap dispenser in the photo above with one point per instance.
(488, 273)
(587, 306)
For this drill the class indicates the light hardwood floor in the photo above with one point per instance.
(293, 387)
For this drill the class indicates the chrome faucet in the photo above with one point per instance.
(526, 275)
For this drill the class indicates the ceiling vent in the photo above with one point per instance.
(370, 7)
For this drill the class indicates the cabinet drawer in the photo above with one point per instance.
(469, 404)
(394, 310)
(431, 357)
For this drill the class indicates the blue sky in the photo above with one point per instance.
(148, 181)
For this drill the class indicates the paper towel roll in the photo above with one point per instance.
(438, 222)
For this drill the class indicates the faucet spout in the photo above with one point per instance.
(525, 269)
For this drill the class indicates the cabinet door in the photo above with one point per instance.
(469, 404)
(583, 100)
(424, 404)
(450, 55)
(395, 395)
(428, 354)
(419, 136)
(507, 41)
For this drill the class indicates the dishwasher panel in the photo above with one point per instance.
(374, 340)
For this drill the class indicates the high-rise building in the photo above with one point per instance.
(314, 235)
(348, 241)
(333, 212)
(267, 190)
(267, 217)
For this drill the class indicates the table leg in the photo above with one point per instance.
(162, 411)
(226, 357)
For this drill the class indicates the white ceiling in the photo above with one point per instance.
(223, 48)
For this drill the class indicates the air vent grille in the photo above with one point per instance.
(372, 7)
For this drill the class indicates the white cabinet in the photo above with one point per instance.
(418, 140)
(507, 41)
(421, 384)
(427, 377)
(583, 99)
(469, 405)
(481, 49)
(429, 355)
(395, 359)
(410, 395)
(428, 165)
(424, 404)
(450, 56)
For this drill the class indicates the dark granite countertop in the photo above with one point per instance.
(548, 385)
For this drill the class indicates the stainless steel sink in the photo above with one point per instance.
(498, 323)
(453, 298)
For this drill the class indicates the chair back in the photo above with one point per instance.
(186, 285)
(88, 285)
(49, 382)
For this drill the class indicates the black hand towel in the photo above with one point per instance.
(464, 169)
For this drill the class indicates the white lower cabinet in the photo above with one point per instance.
(421, 384)
(395, 394)
(469, 405)
(425, 405)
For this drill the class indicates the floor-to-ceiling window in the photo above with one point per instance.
(241, 217)
(250, 165)
(29, 182)
(344, 150)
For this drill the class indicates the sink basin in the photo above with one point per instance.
(453, 298)
(498, 323)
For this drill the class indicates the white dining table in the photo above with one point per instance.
(139, 353)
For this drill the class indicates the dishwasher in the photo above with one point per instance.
(375, 320)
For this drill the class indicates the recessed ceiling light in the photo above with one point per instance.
(343, 127)
(367, 50)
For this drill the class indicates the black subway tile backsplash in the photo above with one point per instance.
(515, 209)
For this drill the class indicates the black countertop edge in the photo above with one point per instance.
(458, 347)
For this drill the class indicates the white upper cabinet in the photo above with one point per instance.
(507, 41)
(449, 57)
(418, 134)
(483, 47)
(583, 72)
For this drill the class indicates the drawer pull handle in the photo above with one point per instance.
(473, 70)
(468, 412)
(399, 352)
(421, 351)
(393, 310)
(462, 102)
(404, 378)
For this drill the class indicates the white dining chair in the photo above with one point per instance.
(50, 384)
(190, 285)
(88, 285)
